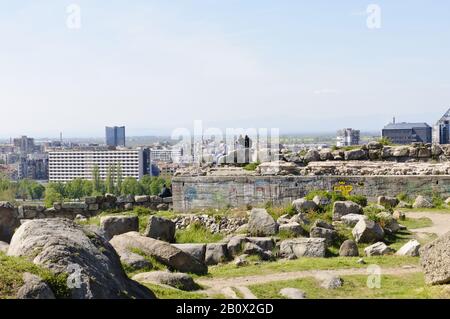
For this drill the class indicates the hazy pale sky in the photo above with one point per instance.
(301, 66)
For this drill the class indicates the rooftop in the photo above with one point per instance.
(405, 126)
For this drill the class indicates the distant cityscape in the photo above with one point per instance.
(62, 161)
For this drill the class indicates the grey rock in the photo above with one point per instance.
(117, 225)
(367, 231)
(34, 288)
(321, 201)
(292, 293)
(403, 204)
(303, 247)
(141, 199)
(125, 199)
(235, 245)
(355, 155)
(348, 249)
(261, 223)
(328, 234)
(160, 228)
(265, 243)
(398, 215)
(302, 205)
(177, 280)
(294, 228)
(352, 219)
(134, 261)
(312, 156)
(378, 249)
(390, 224)
(388, 202)
(328, 281)
(252, 249)
(322, 224)
(435, 260)
(65, 247)
(162, 251)
(195, 250)
(342, 208)
(411, 248)
(422, 202)
(216, 253)
(9, 221)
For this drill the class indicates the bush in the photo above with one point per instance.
(358, 199)
(437, 200)
(403, 197)
(252, 166)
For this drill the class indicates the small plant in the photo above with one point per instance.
(252, 166)
(197, 233)
(437, 200)
(385, 141)
(403, 197)
(358, 199)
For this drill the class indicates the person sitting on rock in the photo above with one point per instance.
(166, 192)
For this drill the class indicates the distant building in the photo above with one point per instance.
(115, 136)
(441, 134)
(33, 166)
(24, 144)
(67, 165)
(347, 137)
(407, 133)
(166, 155)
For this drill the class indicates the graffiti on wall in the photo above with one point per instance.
(343, 188)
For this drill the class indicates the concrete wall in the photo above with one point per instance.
(190, 193)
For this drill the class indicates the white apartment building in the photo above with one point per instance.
(67, 165)
(165, 155)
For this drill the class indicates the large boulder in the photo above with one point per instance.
(388, 221)
(435, 260)
(303, 247)
(329, 235)
(321, 201)
(367, 231)
(235, 245)
(34, 288)
(422, 202)
(176, 280)
(161, 229)
(355, 155)
(292, 228)
(9, 221)
(348, 249)
(388, 202)
(352, 219)
(117, 225)
(260, 223)
(378, 249)
(134, 261)
(92, 263)
(253, 249)
(162, 251)
(216, 253)
(302, 205)
(342, 208)
(195, 250)
(411, 248)
(265, 243)
(312, 156)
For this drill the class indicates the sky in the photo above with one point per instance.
(154, 66)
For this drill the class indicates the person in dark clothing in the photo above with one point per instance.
(166, 192)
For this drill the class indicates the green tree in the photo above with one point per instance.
(97, 183)
(74, 189)
(131, 186)
(110, 183)
(119, 179)
(52, 196)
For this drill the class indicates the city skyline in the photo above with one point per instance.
(155, 66)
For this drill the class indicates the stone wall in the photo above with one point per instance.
(190, 193)
(92, 206)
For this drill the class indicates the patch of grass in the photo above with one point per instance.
(166, 292)
(413, 223)
(197, 233)
(155, 263)
(411, 286)
(252, 166)
(267, 268)
(12, 270)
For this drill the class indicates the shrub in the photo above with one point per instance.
(404, 197)
(437, 200)
(359, 199)
(252, 166)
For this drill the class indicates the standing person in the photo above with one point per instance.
(166, 192)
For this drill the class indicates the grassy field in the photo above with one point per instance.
(173, 293)
(267, 268)
(405, 286)
(414, 223)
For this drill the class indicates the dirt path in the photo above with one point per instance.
(441, 222)
(225, 285)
